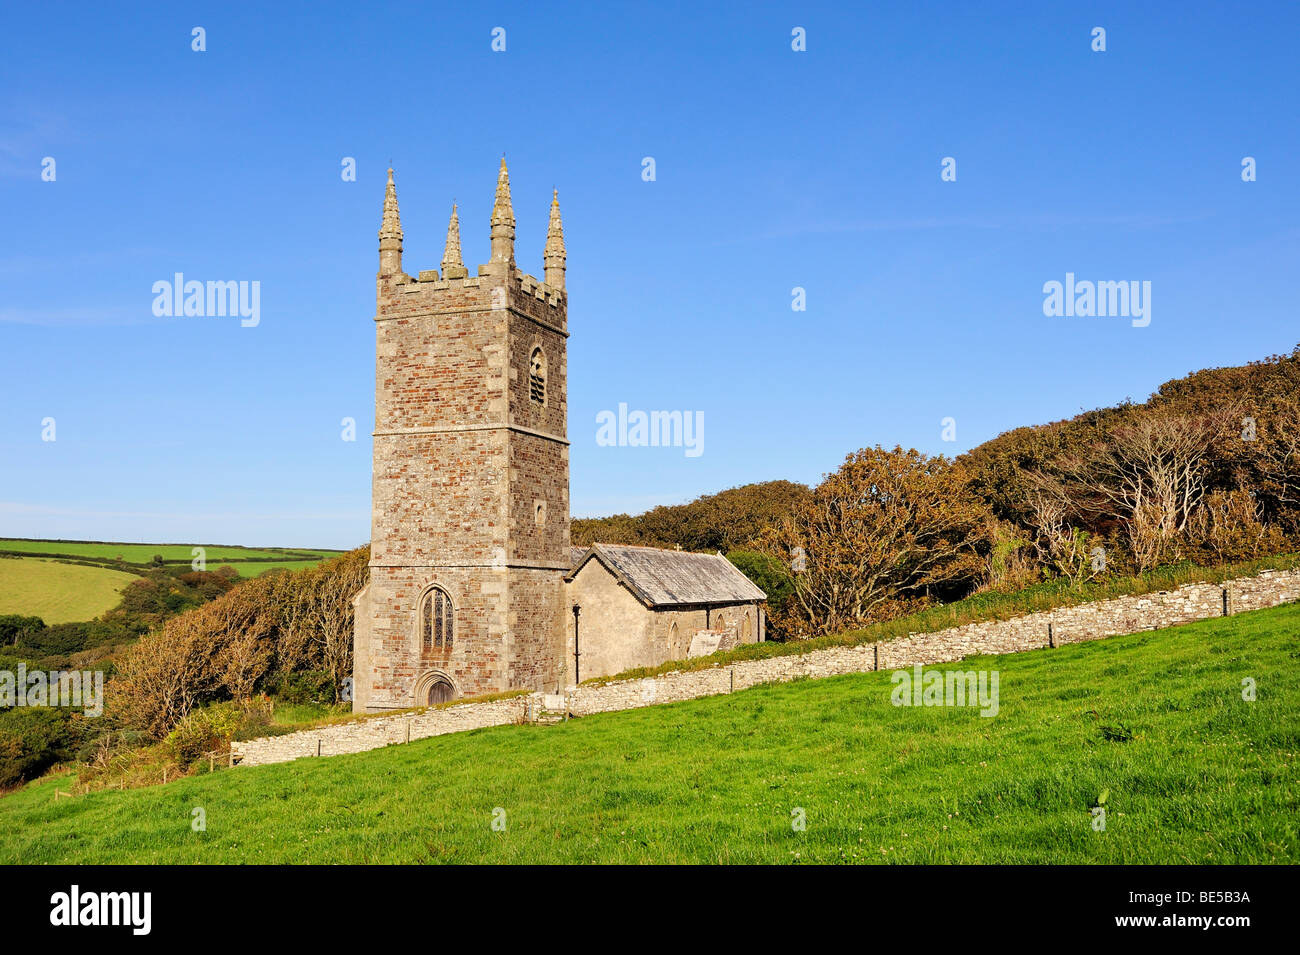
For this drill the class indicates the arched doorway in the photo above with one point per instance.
(434, 687)
(440, 691)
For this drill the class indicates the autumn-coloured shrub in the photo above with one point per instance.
(885, 534)
(246, 639)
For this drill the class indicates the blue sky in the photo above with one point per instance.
(774, 169)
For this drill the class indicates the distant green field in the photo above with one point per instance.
(56, 592)
(1154, 725)
(143, 553)
(253, 568)
(36, 578)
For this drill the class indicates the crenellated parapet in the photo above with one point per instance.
(430, 290)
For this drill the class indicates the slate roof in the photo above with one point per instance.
(673, 578)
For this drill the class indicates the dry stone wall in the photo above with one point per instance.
(374, 732)
(1085, 622)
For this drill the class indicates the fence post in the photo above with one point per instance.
(875, 656)
(1051, 637)
(318, 741)
(1225, 601)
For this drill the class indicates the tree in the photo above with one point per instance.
(725, 521)
(1010, 563)
(16, 629)
(879, 534)
(1278, 458)
(1148, 477)
(164, 675)
(228, 647)
(1058, 543)
(328, 611)
(242, 623)
(1229, 526)
(770, 576)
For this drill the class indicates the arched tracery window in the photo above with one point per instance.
(437, 622)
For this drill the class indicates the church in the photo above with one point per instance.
(474, 587)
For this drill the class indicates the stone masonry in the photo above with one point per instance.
(471, 471)
(1085, 622)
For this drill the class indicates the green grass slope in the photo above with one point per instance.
(1194, 774)
(57, 592)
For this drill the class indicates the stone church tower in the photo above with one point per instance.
(470, 511)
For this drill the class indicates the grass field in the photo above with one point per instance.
(1193, 774)
(36, 577)
(56, 592)
(253, 568)
(143, 553)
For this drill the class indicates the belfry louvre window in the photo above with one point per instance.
(436, 623)
(537, 377)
